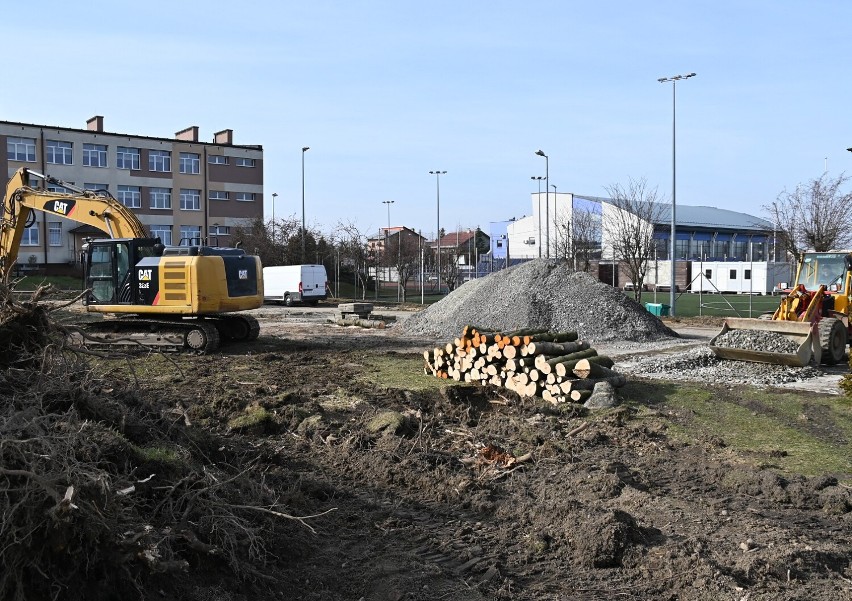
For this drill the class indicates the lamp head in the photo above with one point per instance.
(305, 148)
(540, 153)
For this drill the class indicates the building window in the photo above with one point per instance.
(59, 189)
(220, 230)
(190, 235)
(747, 274)
(708, 273)
(161, 198)
(98, 189)
(128, 158)
(54, 230)
(190, 200)
(30, 237)
(21, 149)
(218, 195)
(217, 159)
(245, 162)
(59, 153)
(160, 160)
(163, 232)
(733, 274)
(190, 162)
(130, 196)
(244, 196)
(94, 155)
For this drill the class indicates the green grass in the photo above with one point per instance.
(810, 429)
(401, 371)
(725, 305)
(31, 282)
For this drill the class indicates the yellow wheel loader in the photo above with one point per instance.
(814, 315)
(165, 297)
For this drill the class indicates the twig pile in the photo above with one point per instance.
(558, 367)
(100, 488)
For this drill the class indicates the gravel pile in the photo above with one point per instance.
(540, 294)
(756, 340)
(701, 365)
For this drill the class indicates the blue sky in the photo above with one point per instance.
(385, 91)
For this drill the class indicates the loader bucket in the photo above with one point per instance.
(804, 334)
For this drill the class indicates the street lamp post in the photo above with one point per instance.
(438, 175)
(304, 150)
(555, 224)
(274, 196)
(539, 178)
(387, 234)
(674, 79)
(547, 199)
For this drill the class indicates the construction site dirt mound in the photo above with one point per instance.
(540, 294)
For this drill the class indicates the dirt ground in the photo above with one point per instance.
(419, 492)
(397, 486)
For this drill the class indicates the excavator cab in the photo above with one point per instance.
(110, 273)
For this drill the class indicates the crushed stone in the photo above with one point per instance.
(757, 340)
(701, 365)
(540, 294)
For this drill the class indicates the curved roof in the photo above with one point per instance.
(717, 218)
(704, 217)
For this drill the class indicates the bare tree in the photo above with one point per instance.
(450, 267)
(354, 252)
(404, 252)
(628, 225)
(585, 238)
(815, 216)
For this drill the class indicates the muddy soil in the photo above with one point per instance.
(471, 493)
(399, 489)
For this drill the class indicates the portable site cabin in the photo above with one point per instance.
(740, 277)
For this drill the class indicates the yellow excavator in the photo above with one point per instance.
(165, 297)
(814, 315)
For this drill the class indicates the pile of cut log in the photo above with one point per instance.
(534, 362)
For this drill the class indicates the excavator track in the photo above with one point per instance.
(200, 336)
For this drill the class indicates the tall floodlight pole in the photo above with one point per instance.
(304, 150)
(438, 175)
(539, 178)
(674, 79)
(547, 199)
(387, 233)
(274, 196)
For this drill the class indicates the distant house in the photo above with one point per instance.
(389, 235)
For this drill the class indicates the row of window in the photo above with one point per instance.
(189, 234)
(95, 155)
(732, 274)
(161, 198)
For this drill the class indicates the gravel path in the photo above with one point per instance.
(543, 294)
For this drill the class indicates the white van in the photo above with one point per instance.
(290, 284)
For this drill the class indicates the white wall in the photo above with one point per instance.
(729, 276)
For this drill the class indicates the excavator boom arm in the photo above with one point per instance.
(82, 206)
